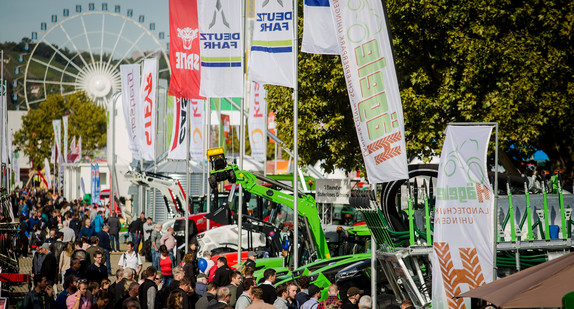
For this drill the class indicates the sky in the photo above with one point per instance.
(19, 18)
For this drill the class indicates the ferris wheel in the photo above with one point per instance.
(84, 51)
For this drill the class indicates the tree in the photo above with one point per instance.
(86, 119)
(504, 61)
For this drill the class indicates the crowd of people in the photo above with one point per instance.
(71, 244)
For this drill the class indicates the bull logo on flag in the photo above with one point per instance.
(187, 35)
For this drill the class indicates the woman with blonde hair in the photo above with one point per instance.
(65, 259)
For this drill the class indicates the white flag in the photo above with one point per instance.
(196, 146)
(179, 136)
(79, 147)
(319, 29)
(65, 142)
(272, 58)
(130, 74)
(221, 43)
(57, 125)
(3, 106)
(146, 110)
(373, 88)
(47, 174)
(257, 122)
(16, 167)
(463, 230)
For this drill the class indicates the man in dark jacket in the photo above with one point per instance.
(209, 297)
(148, 289)
(115, 226)
(269, 293)
(49, 265)
(222, 275)
(104, 243)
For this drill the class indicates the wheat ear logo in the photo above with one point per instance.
(471, 272)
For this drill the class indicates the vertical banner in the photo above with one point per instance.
(147, 110)
(130, 76)
(463, 231)
(79, 158)
(196, 146)
(97, 179)
(65, 142)
(256, 123)
(93, 183)
(221, 46)
(3, 107)
(47, 174)
(319, 29)
(57, 125)
(272, 54)
(184, 49)
(16, 167)
(179, 136)
(373, 89)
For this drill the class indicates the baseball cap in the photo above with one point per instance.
(352, 291)
(313, 289)
(45, 246)
(201, 276)
(252, 253)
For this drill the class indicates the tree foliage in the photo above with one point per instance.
(509, 62)
(86, 119)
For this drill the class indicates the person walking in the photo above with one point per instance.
(257, 301)
(332, 299)
(223, 273)
(69, 234)
(105, 244)
(131, 259)
(169, 241)
(166, 265)
(87, 229)
(49, 265)
(281, 302)
(115, 227)
(209, 297)
(244, 300)
(235, 282)
(80, 299)
(269, 293)
(65, 259)
(98, 222)
(353, 296)
(155, 243)
(41, 296)
(315, 294)
(189, 267)
(96, 272)
(148, 289)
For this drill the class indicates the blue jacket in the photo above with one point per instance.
(98, 223)
(86, 231)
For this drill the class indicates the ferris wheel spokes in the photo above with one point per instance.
(119, 36)
(128, 51)
(87, 39)
(73, 44)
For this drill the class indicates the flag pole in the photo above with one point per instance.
(242, 133)
(295, 135)
(187, 171)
